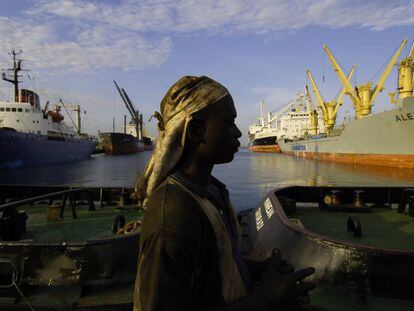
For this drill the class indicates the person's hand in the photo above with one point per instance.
(281, 285)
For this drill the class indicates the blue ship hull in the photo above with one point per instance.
(18, 150)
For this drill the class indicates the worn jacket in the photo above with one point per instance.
(181, 260)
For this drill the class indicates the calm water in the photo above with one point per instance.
(249, 177)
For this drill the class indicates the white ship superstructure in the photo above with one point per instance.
(32, 136)
(27, 117)
(291, 121)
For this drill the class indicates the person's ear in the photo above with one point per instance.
(196, 130)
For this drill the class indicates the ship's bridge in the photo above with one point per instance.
(22, 117)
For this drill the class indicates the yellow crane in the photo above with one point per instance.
(313, 114)
(363, 95)
(329, 108)
(405, 77)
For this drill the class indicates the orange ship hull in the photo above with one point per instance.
(265, 148)
(390, 160)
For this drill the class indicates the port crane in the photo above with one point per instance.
(295, 104)
(75, 108)
(363, 95)
(405, 77)
(329, 108)
(135, 115)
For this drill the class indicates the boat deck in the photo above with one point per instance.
(328, 298)
(381, 228)
(88, 225)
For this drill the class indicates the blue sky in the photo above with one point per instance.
(258, 49)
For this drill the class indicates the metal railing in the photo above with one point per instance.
(66, 194)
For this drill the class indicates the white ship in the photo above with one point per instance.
(290, 122)
(32, 136)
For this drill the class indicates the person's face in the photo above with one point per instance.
(221, 133)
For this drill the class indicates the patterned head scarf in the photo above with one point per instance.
(186, 97)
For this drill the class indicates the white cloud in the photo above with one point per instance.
(233, 16)
(80, 36)
(92, 46)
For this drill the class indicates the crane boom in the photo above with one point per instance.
(134, 114)
(129, 102)
(387, 71)
(317, 93)
(340, 99)
(123, 98)
(309, 97)
(411, 54)
(345, 82)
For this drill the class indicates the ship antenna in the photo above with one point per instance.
(17, 67)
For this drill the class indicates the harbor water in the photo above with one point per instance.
(249, 177)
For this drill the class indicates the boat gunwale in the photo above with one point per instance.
(281, 214)
(68, 244)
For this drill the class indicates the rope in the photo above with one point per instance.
(53, 268)
(22, 295)
(130, 227)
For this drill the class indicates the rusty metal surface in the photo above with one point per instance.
(356, 269)
(91, 274)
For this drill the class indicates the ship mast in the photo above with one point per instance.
(363, 95)
(17, 67)
(261, 118)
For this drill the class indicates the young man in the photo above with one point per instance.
(189, 245)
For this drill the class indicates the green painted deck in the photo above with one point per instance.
(323, 298)
(88, 225)
(382, 228)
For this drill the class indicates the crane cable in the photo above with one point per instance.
(323, 68)
(383, 65)
(67, 112)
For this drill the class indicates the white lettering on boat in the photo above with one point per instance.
(259, 219)
(269, 208)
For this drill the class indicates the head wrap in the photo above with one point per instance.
(186, 97)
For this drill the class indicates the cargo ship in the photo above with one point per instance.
(31, 136)
(383, 138)
(290, 121)
(120, 143)
(134, 138)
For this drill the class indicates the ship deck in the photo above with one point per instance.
(328, 298)
(89, 225)
(381, 228)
